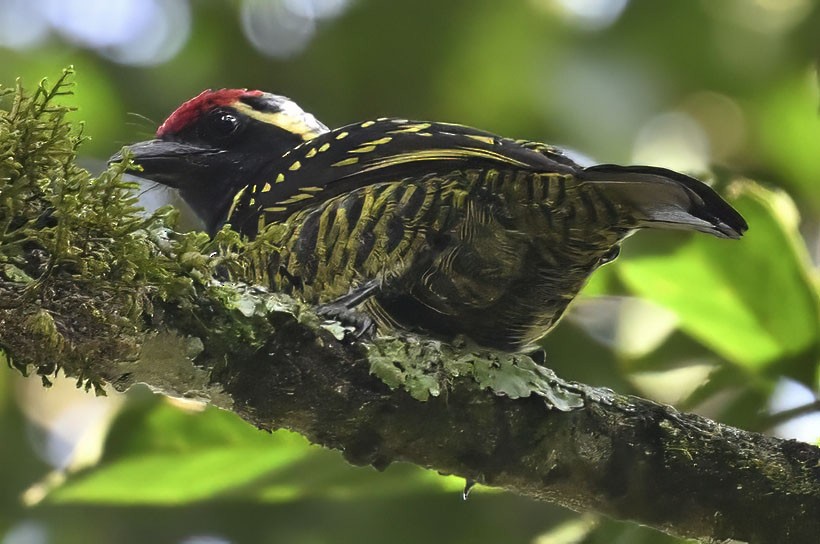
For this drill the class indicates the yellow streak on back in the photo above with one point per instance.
(440, 155)
(346, 162)
(410, 128)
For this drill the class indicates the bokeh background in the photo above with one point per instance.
(727, 90)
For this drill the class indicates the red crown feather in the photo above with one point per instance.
(192, 109)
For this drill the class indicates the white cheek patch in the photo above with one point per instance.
(290, 117)
(314, 124)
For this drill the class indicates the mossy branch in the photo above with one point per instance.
(90, 285)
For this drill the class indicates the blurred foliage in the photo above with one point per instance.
(731, 84)
(241, 463)
(737, 314)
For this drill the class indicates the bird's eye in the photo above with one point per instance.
(221, 124)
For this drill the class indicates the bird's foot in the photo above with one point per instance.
(362, 325)
(342, 310)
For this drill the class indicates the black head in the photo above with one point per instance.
(220, 141)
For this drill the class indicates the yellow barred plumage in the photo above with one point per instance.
(478, 249)
(434, 227)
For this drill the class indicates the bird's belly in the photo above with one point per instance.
(448, 265)
(505, 308)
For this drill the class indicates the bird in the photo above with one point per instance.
(434, 228)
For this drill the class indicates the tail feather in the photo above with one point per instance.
(664, 198)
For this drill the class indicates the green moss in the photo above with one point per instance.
(42, 325)
(81, 265)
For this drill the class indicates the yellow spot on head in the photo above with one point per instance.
(311, 152)
(252, 202)
(342, 135)
(266, 188)
(280, 178)
(368, 124)
(324, 147)
(295, 166)
(346, 162)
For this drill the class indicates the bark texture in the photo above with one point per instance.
(495, 419)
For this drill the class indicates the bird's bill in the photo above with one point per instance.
(167, 162)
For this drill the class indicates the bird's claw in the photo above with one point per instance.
(469, 483)
(362, 325)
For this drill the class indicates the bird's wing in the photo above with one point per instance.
(438, 235)
(379, 151)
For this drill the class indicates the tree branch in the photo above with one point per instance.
(270, 360)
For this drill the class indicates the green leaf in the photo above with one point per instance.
(788, 130)
(159, 454)
(752, 301)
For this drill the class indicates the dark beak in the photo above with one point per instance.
(174, 164)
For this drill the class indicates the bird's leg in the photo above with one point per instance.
(343, 309)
